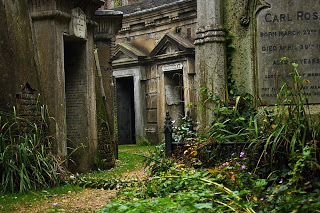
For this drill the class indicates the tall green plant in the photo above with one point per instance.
(234, 120)
(26, 161)
(289, 127)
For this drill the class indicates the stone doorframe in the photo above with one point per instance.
(139, 78)
(185, 64)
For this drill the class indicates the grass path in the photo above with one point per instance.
(73, 198)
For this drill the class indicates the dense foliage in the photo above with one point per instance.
(26, 161)
(250, 160)
(229, 187)
(272, 165)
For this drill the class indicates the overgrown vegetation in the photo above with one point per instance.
(185, 131)
(130, 158)
(272, 165)
(250, 160)
(26, 159)
(128, 161)
(289, 132)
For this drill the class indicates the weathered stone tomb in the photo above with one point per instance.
(48, 57)
(153, 67)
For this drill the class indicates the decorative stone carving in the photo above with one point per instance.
(210, 22)
(252, 7)
(210, 34)
(172, 44)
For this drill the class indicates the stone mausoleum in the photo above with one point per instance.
(171, 55)
(48, 54)
(150, 56)
(153, 66)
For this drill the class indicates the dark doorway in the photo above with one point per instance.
(75, 98)
(125, 111)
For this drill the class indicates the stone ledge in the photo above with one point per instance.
(108, 13)
(51, 14)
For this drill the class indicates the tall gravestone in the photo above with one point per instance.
(288, 28)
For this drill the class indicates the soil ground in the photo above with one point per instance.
(86, 200)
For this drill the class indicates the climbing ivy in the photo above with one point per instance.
(117, 3)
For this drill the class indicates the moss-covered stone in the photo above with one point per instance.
(17, 53)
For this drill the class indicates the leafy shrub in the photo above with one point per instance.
(234, 120)
(179, 190)
(281, 133)
(156, 160)
(143, 141)
(184, 132)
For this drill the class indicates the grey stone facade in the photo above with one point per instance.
(164, 54)
(155, 47)
(49, 58)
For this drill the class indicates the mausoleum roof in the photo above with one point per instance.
(133, 49)
(176, 43)
(127, 53)
(147, 6)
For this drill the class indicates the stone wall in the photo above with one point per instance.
(64, 34)
(18, 59)
(239, 19)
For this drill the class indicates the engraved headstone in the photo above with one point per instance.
(78, 25)
(289, 28)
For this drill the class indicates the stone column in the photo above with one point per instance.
(109, 22)
(210, 59)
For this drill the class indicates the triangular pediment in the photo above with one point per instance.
(169, 48)
(127, 52)
(172, 44)
(122, 56)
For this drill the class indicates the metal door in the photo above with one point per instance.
(125, 110)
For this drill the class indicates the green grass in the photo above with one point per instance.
(135, 149)
(8, 201)
(128, 161)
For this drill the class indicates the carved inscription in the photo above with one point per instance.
(169, 67)
(290, 28)
(78, 25)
